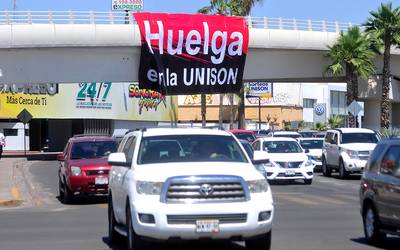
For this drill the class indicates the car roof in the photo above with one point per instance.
(310, 139)
(183, 131)
(355, 130)
(84, 138)
(241, 131)
(277, 138)
(286, 132)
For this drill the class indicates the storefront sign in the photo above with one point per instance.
(133, 5)
(94, 100)
(260, 89)
(33, 89)
(192, 54)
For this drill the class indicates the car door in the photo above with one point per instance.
(329, 147)
(119, 190)
(389, 186)
(335, 151)
(326, 146)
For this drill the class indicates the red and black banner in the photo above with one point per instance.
(192, 54)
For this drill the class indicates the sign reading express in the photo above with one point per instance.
(192, 54)
(134, 5)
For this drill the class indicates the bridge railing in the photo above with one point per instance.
(113, 17)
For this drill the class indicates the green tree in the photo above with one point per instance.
(352, 54)
(335, 121)
(385, 25)
(319, 126)
(235, 8)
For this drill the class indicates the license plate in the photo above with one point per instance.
(207, 226)
(290, 172)
(101, 181)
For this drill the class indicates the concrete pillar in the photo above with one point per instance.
(395, 115)
(372, 113)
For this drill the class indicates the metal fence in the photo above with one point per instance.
(112, 17)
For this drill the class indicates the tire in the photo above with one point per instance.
(262, 243)
(133, 242)
(60, 189)
(113, 236)
(343, 173)
(308, 181)
(371, 224)
(326, 171)
(67, 194)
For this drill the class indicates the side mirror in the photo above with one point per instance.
(307, 151)
(118, 159)
(260, 157)
(60, 157)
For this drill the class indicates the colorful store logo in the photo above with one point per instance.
(148, 99)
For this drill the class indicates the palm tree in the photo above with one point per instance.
(236, 8)
(385, 25)
(352, 53)
(335, 121)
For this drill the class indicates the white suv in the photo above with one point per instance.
(288, 160)
(187, 184)
(347, 150)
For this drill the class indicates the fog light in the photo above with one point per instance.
(147, 218)
(263, 216)
(310, 173)
(350, 165)
(269, 173)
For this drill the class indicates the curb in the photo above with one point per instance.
(14, 191)
(10, 203)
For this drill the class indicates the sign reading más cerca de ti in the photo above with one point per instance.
(192, 54)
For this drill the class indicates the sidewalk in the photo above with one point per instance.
(9, 192)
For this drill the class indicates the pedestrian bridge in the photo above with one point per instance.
(65, 47)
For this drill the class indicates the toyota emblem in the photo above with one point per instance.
(206, 189)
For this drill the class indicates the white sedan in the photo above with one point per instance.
(288, 161)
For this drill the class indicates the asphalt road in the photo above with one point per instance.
(324, 215)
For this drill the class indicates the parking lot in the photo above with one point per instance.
(324, 215)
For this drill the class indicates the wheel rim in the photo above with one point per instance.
(369, 223)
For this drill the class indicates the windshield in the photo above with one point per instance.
(359, 138)
(311, 144)
(189, 148)
(245, 136)
(92, 149)
(249, 149)
(282, 147)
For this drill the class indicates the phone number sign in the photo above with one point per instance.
(134, 5)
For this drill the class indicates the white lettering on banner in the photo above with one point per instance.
(193, 42)
(203, 76)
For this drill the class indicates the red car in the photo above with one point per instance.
(242, 134)
(83, 166)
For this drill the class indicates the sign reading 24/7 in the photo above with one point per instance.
(127, 5)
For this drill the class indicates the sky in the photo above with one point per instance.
(355, 11)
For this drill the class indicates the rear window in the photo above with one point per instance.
(311, 144)
(189, 148)
(92, 149)
(282, 147)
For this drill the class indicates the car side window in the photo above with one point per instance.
(129, 148)
(256, 145)
(328, 137)
(390, 161)
(335, 139)
(373, 163)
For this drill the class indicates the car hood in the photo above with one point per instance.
(100, 162)
(315, 152)
(161, 172)
(359, 146)
(287, 157)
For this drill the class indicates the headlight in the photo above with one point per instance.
(150, 188)
(76, 171)
(260, 168)
(258, 186)
(308, 163)
(352, 153)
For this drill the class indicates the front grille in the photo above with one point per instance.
(290, 164)
(96, 172)
(363, 155)
(204, 189)
(284, 175)
(222, 218)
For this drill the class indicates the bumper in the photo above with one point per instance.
(162, 229)
(317, 165)
(276, 173)
(86, 185)
(355, 166)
